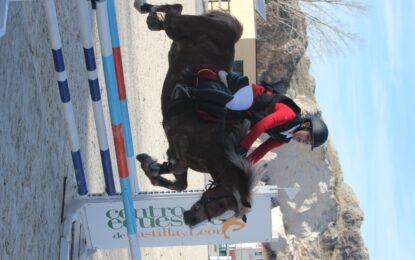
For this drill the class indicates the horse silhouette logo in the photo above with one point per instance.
(232, 222)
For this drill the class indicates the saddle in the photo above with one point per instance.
(210, 93)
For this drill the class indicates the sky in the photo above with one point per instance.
(367, 96)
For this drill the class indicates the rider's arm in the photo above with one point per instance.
(282, 115)
(263, 149)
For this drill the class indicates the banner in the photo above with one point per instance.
(159, 219)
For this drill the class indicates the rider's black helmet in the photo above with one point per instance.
(319, 131)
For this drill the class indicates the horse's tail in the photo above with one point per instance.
(232, 23)
(238, 28)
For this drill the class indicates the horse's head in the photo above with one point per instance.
(215, 201)
(232, 186)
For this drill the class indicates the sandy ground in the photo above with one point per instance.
(35, 154)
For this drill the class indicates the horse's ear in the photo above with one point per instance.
(246, 204)
(244, 219)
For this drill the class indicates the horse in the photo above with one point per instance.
(194, 143)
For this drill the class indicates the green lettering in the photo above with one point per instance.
(143, 213)
(176, 221)
(146, 222)
(150, 209)
(162, 222)
(115, 223)
(115, 219)
(177, 211)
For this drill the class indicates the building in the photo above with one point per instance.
(245, 49)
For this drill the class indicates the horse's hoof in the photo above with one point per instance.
(142, 8)
(149, 165)
(154, 23)
(143, 157)
(155, 182)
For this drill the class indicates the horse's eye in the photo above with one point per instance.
(197, 206)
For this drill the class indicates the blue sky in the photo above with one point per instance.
(367, 95)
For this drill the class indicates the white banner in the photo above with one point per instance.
(159, 219)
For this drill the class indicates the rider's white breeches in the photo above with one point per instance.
(242, 99)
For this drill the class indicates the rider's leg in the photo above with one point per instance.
(214, 96)
(217, 97)
(240, 101)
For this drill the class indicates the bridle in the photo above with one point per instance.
(205, 201)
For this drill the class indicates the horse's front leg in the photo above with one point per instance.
(154, 170)
(181, 180)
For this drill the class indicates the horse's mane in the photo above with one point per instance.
(252, 172)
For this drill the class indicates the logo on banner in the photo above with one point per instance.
(231, 222)
(155, 222)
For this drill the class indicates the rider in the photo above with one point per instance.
(279, 117)
(269, 112)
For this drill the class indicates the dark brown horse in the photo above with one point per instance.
(194, 143)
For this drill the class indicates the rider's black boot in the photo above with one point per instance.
(212, 96)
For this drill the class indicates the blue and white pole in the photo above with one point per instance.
(85, 26)
(56, 44)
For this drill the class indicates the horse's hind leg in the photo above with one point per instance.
(217, 26)
(142, 7)
(154, 21)
(145, 8)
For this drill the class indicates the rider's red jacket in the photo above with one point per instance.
(282, 114)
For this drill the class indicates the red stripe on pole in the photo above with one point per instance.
(119, 73)
(120, 151)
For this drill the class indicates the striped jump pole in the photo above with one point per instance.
(122, 93)
(116, 121)
(56, 44)
(85, 24)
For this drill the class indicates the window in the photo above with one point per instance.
(238, 67)
(219, 5)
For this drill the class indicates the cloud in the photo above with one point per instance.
(328, 90)
(393, 15)
(378, 96)
(382, 194)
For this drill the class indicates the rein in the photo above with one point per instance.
(205, 201)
